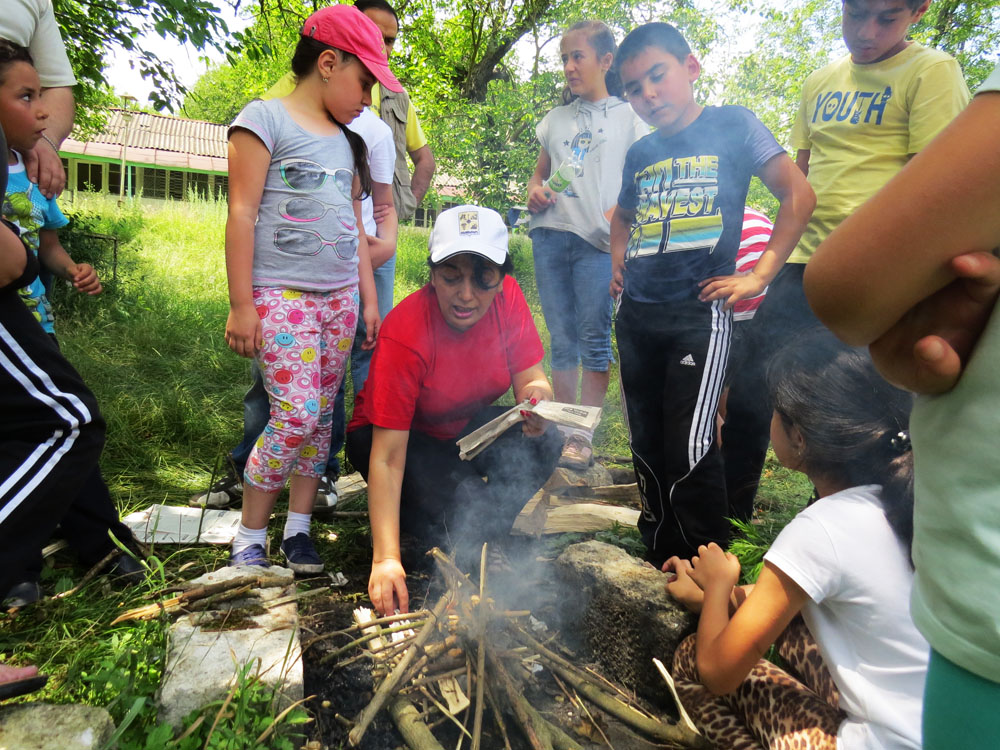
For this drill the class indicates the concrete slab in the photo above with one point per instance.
(40, 726)
(206, 650)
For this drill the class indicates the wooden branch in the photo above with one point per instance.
(389, 685)
(676, 733)
(559, 739)
(92, 573)
(498, 717)
(370, 636)
(410, 725)
(477, 723)
(517, 704)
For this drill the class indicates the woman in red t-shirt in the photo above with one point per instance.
(444, 355)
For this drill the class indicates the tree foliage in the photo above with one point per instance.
(94, 30)
(483, 72)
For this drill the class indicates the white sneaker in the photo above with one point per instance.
(227, 492)
(326, 496)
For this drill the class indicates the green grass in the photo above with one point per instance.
(152, 350)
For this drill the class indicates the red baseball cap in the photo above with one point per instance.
(347, 28)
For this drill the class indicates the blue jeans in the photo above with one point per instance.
(573, 277)
(257, 408)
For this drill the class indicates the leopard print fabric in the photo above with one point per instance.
(771, 708)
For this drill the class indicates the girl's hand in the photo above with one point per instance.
(715, 567)
(372, 323)
(731, 288)
(243, 331)
(387, 586)
(682, 587)
(540, 198)
(926, 350)
(84, 278)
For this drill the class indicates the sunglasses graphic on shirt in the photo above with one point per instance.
(308, 176)
(300, 241)
(309, 209)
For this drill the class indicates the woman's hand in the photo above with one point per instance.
(387, 586)
(682, 587)
(713, 566)
(243, 331)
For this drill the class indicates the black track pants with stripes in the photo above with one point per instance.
(51, 435)
(673, 365)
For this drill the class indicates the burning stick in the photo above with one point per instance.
(388, 687)
(477, 724)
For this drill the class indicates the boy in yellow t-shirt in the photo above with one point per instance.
(860, 120)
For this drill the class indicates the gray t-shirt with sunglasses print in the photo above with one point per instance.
(306, 236)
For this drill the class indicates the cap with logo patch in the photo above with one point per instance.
(469, 229)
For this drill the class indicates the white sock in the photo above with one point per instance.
(297, 523)
(246, 537)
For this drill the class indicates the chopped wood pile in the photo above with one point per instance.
(452, 664)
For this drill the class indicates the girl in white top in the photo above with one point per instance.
(570, 230)
(843, 563)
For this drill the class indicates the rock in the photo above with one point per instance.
(621, 614)
(206, 650)
(40, 726)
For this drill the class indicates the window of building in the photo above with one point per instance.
(89, 176)
(115, 179)
(220, 188)
(176, 185)
(154, 182)
(197, 183)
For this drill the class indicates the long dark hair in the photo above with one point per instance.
(307, 52)
(602, 41)
(854, 423)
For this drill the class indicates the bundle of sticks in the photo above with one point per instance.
(448, 664)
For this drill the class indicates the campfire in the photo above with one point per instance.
(466, 662)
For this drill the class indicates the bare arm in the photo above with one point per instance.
(621, 224)
(366, 278)
(13, 257)
(538, 197)
(53, 256)
(789, 186)
(728, 648)
(802, 160)
(893, 268)
(387, 582)
(382, 246)
(42, 163)
(423, 172)
(248, 163)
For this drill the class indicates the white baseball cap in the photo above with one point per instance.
(469, 229)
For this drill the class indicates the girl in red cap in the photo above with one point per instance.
(296, 258)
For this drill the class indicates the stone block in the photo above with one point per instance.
(40, 726)
(620, 613)
(206, 650)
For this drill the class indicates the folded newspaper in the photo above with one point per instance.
(570, 415)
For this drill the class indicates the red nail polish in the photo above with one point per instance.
(534, 401)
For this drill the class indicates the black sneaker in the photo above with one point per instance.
(301, 555)
(22, 594)
(227, 492)
(326, 496)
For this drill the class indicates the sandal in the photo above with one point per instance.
(577, 453)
